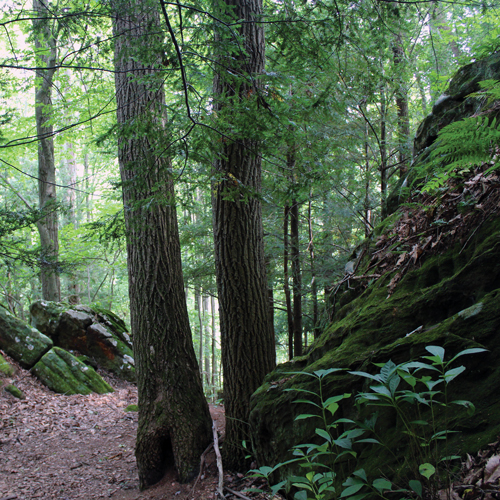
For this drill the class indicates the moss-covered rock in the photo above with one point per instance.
(45, 316)
(455, 104)
(453, 300)
(20, 341)
(15, 391)
(63, 373)
(113, 321)
(132, 408)
(5, 368)
(96, 333)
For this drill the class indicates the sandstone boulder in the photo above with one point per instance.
(64, 373)
(98, 334)
(20, 341)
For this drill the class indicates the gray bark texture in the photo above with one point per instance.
(246, 330)
(45, 46)
(174, 421)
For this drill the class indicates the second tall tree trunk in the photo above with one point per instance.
(246, 330)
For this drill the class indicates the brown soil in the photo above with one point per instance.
(82, 447)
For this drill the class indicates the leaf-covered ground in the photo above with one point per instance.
(82, 447)
(427, 224)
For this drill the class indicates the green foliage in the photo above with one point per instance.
(410, 389)
(467, 143)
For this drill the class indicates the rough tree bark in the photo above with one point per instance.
(174, 421)
(45, 46)
(246, 329)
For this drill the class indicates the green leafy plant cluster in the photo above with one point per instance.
(470, 142)
(417, 391)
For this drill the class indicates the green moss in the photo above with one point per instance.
(63, 373)
(20, 341)
(5, 367)
(15, 391)
(117, 323)
(452, 300)
(132, 408)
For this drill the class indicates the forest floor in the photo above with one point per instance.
(82, 447)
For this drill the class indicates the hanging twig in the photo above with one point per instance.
(220, 487)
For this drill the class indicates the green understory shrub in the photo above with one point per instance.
(417, 392)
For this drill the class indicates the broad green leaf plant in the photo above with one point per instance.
(417, 391)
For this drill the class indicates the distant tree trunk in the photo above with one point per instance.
(296, 279)
(88, 215)
(174, 422)
(214, 345)
(45, 46)
(383, 154)
(207, 336)
(246, 331)
(286, 282)
(198, 308)
(314, 286)
(367, 204)
(402, 105)
(73, 285)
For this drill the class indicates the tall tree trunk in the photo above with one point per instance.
(296, 279)
(45, 46)
(402, 105)
(286, 282)
(174, 422)
(246, 331)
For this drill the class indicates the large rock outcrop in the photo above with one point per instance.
(100, 335)
(56, 368)
(449, 297)
(457, 103)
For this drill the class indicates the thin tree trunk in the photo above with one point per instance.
(207, 336)
(174, 422)
(45, 46)
(214, 347)
(296, 279)
(383, 154)
(73, 285)
(198, 307)
(246, 331)
(88, 215)
(367, 205)
(402, 105)
(314, 286)
(286, 282)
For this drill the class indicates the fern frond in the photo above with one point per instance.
(467, 143)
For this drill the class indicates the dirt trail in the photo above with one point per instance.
(56, 447)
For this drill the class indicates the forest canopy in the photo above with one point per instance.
(330, 115)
